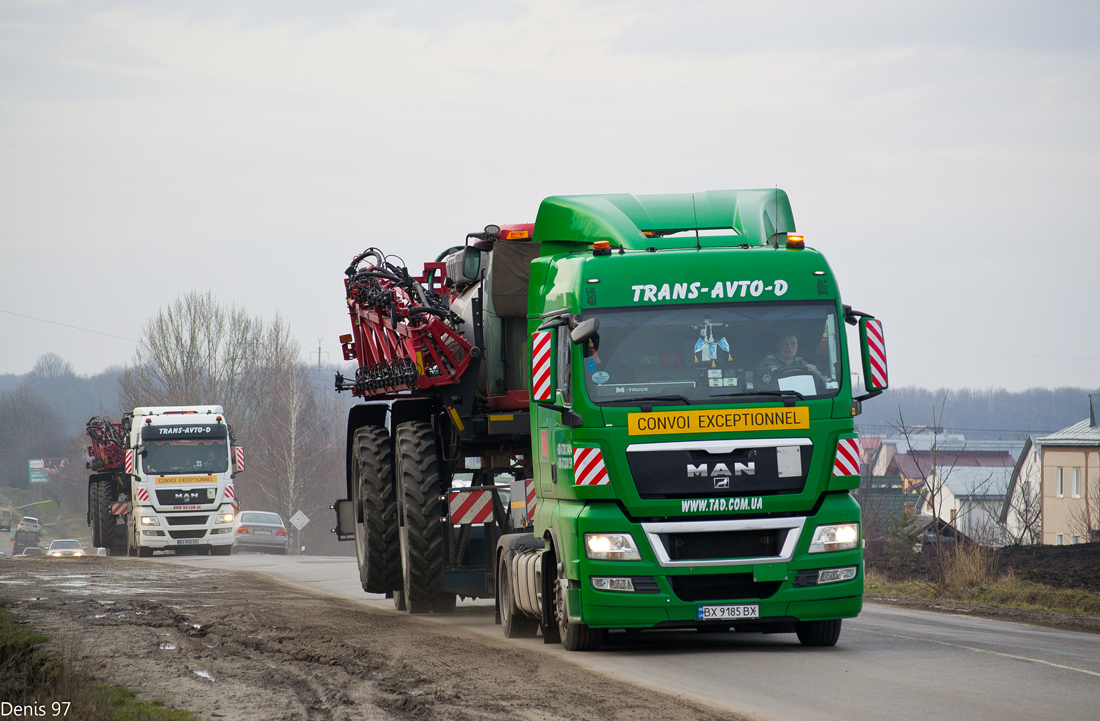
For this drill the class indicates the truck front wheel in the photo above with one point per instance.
(421, 530)
(574, 636)
(818, 633)
(376, 541)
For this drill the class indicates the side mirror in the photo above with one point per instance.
(345, 520)
(586, 329)
(872, 345)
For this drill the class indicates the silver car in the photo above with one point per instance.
(65, 547)
(259, 531)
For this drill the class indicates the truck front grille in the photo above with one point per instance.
(188, 534)
(722, 587)
(187, 520)
(762, 543)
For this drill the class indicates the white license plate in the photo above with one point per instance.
(262, 533)
(187, 542)
(728, 613)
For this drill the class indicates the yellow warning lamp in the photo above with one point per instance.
(795, 242)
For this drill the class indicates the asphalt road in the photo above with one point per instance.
(890, 663)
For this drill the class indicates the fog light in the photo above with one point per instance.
(150, 521)
(611, 547)
(839, 537)
(832, 575)
(605, 583)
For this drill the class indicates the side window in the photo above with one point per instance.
(565, 350)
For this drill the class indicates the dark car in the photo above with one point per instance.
(22, 540)
(32, 551)
(259, 531)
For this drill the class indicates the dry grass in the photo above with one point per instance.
(970, 575)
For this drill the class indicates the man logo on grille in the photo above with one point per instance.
(721, 469)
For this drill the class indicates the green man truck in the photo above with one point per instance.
(635, 413)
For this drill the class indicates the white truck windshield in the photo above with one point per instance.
(199, 456)
(711, 353)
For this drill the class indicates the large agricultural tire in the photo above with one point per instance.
(100, 498)
(514, 622)
(818, 633)
(574, 636)
(376, 538)
(422, 511)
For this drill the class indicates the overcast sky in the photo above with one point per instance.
(944, 156)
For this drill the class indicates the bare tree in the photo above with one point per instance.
(198, 351)
(298, 442)
(1085, 517)
(1022, 525)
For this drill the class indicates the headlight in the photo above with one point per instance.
(611, 547)
(225, 518)
(839, 537)
(150, 521)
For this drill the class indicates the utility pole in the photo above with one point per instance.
(319, 352)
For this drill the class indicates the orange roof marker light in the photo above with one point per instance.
(795, 242)
(601, 247)
(514, 234)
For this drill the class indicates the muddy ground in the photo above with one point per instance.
(239, 646)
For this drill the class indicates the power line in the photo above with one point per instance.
(66, 325)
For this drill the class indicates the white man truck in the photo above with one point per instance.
(162, 479)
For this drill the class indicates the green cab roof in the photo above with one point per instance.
(755, 217)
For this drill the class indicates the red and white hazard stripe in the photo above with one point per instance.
(141, 494)
(120, 508)
(471, 507)
(229, 493)
(847, 457)
(541, 348)
(876, 346)
(238, 453)
(532, 501)
(588, 468)
(130, 460)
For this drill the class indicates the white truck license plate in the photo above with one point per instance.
(730, 613)
(187, 541)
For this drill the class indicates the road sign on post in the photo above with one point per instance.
(299, 520)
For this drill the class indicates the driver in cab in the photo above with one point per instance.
(785, 356)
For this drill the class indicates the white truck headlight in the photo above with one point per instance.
(611, 547)
(150, 521)
(225, 518)
(837, 537)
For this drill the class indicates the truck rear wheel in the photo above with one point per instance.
(818, 633)
(421, 529)
(376, 543)
(515, 623)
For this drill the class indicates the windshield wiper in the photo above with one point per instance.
(658, 400)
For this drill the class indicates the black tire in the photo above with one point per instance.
(103, 521)
(515, 623)
(144, 552)
(445, 603)
(376, 537)
(421, 530)
(818, 633)
(221, 550)
(574, 636)
(399, 600)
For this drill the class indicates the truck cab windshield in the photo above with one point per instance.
(714, 353)
(205, 456)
